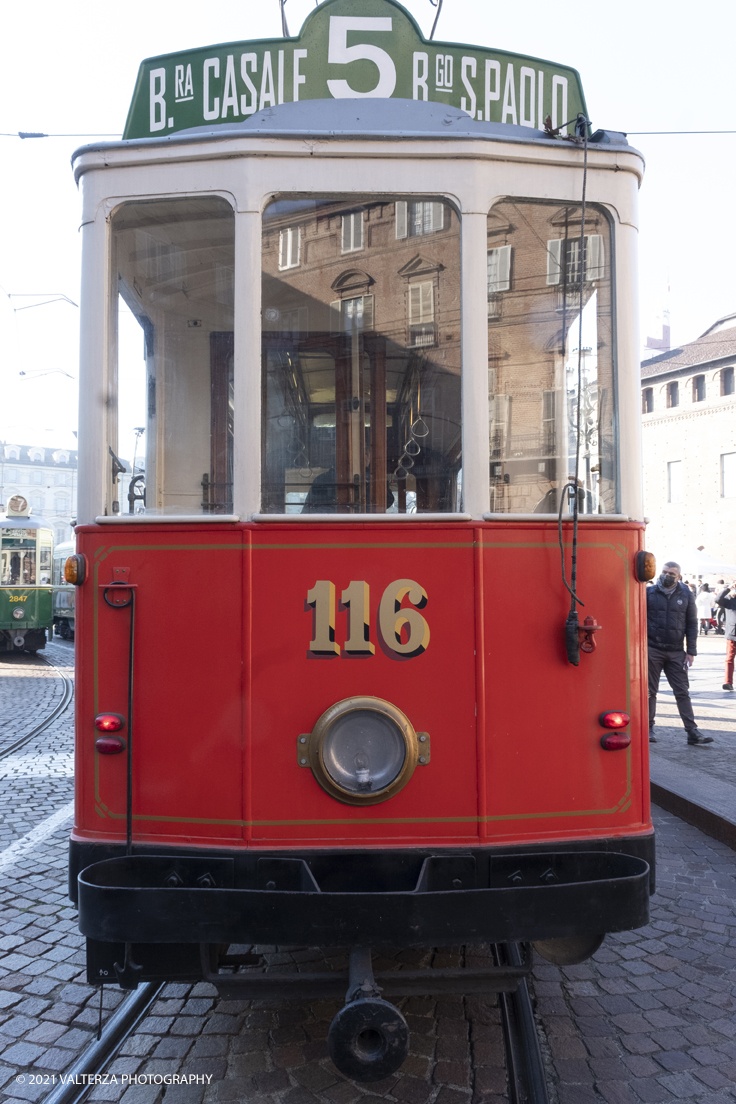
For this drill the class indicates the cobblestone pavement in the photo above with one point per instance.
(715, 713)
(29, 689)
(651, 1018)
(38, 779)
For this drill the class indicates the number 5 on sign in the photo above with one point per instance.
(395, 620)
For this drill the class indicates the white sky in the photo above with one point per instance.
(645, 65)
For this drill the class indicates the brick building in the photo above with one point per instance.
(689, 444)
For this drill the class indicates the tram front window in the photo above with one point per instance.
(172, 292)
(361, 356)
(18, 566)
(535, 264)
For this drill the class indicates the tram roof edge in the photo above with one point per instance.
(377, 119)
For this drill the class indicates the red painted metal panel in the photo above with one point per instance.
(225, 683)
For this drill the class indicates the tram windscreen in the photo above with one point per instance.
(18, 557)
(173, 322)
(361, 356)
(538, 414)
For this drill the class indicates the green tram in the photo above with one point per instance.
(64, 593)
(26, 550)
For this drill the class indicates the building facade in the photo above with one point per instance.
(689, 444)
(47, 478)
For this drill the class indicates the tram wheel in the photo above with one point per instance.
(569, 951)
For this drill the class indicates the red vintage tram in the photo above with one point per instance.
(329, 688)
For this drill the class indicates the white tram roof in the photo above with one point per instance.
(378, 119)
(31, 521)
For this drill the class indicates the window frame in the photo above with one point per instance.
(672, 391)
(731, 476)
(678, 485)
(602, 207)
(289, 230)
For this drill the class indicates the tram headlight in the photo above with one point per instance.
(363, 750)
(19, 613)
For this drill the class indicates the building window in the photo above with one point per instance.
(421, 314)
(418, 217)
(674, 481)
(12, 454)
(549, 424)
(727, 387)
(290, 243)
(11, 474)
(498, 277)
(647, 400)
(61, 504)
(37, 477)
(352, 232)
(352, 314)
(38, 502)
(673, 394)
(728, 475)
(36, 455)
(699, 389)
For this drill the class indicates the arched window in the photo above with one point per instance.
(36, 454)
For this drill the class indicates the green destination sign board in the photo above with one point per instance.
(348, 49)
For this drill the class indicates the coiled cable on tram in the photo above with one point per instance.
(571, 488)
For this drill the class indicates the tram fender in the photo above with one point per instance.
(143, 899)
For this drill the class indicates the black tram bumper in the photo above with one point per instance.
(368, 898)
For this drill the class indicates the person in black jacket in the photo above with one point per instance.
(672, 616)
(726, 600)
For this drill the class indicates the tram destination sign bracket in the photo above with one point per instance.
(348, 49)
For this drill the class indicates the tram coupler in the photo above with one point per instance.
(369, 1037)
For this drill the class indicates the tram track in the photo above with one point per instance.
(527, 1083)
(61, 706)
(527, 1079)
(79, 1078)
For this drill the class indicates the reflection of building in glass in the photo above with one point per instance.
(361, 348)
(535, 266)
(46, 478)
(689, 440)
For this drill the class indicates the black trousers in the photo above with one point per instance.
(672, 663)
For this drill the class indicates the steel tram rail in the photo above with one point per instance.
(66, 697)
(525, 1071)
(100, 1051)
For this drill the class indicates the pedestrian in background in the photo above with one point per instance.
(726, 600)
(672, 616)
(720, 589)
(704, 606)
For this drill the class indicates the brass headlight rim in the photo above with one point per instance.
(353, 705)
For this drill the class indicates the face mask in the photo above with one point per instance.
(667, 581)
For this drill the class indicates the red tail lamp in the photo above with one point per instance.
(110, 745)
(616, 718)
(109, 722)
(615, 741)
